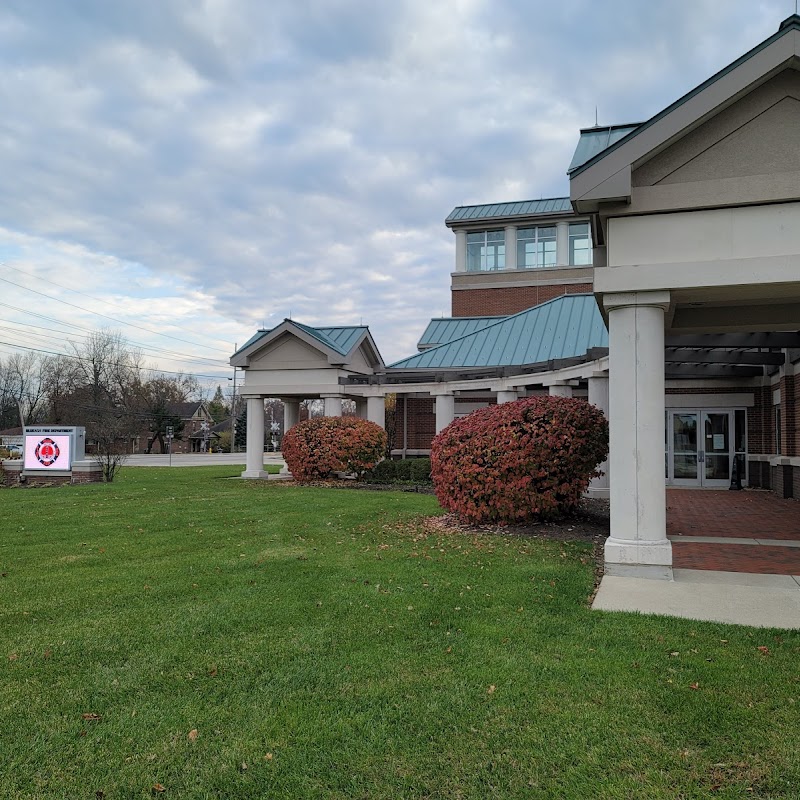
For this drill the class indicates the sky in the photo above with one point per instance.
(194, 170)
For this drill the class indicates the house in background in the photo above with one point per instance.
(665, 289)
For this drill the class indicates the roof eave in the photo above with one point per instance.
(774, 54)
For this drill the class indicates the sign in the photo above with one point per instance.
(47, 451)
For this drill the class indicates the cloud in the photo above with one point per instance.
(241, 161)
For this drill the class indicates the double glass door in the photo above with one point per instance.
(701, 445)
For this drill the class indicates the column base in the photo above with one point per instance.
(255, 475)
(638, 558)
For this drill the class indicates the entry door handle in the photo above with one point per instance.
(701, 456)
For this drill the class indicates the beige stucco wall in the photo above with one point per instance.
(709, 235)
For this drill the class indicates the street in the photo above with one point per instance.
(195, 459)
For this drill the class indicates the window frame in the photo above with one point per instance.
(536, 239)
(573, 238)
(494, 250)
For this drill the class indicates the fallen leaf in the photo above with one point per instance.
(491, 689)
(193, 735)
(159, 788)
(91, 716)
(674, 654)
(694, 685)
(243, 766)
(12, 656)
(764, 649)
(212, 673)
(268, 757)
(48, 653)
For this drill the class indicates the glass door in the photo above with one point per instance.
(717, 460)
(701, 444)
(685, 455)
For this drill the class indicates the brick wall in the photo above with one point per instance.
(419, 412)
(509, 300)
(789, 426)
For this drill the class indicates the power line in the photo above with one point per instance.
(77, 291)
(169, 353)
(105, 316)
(109, 363)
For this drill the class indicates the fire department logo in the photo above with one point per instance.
(47, 452)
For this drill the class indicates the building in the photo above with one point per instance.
(665, 289)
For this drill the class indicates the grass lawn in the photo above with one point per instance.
(219, 638)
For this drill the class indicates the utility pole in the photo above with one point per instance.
(233, 408)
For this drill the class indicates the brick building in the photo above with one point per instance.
(665, 289)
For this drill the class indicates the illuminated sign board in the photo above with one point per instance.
(47, 451)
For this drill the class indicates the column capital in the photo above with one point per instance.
(655, 299)
(332, 396)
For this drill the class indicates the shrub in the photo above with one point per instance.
(320, 447)
(412, 470)
(519, 461)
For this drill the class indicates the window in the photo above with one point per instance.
(580, 245)
(486, 250)
(536, 247)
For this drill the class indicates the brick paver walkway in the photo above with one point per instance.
(733, 515)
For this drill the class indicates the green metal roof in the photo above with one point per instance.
(594, 140)
(790, 23)
(341, 339)
(525, 208)
(566, 327)
(445, 329)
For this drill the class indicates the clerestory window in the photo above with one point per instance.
(536, 247)
(580, 244)
(486, 250)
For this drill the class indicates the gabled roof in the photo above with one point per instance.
(595, 140)
(338, 342)
(566, 327)
(606, 174)
(445, 329)
(342, 339)
(524, 208)
(186, 409)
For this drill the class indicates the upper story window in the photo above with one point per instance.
(580, 244)
(536, 247)
(486, 250)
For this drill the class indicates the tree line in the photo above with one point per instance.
(102, 383)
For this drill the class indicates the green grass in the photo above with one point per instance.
(323, 639)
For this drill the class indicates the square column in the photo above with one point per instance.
(291, 413)
(376, 411)
(598, 396)
(461, 251)
(559, 390)
(638, 544)
(445, 411)
(507, 396)
(333, 405)
(361, 407)
(511, 246)
(255, 439)
(562, 243)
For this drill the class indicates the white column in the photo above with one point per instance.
(361, 407)
(507, 396)
(291, 413)
(376, 410)
(638, 544)
(461, 251)
(255, 438)
(562, 243)
(445, 410)
(511, 246)
(598, 396)
(559, 390)
(333, 405)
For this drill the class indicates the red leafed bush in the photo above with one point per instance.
(320, 447)
(519, 461)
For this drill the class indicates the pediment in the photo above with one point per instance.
(758, 135)
(288, 352)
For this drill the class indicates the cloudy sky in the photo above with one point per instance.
(202, 168)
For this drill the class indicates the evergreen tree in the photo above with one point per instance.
(218, 408)
(240, 440)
